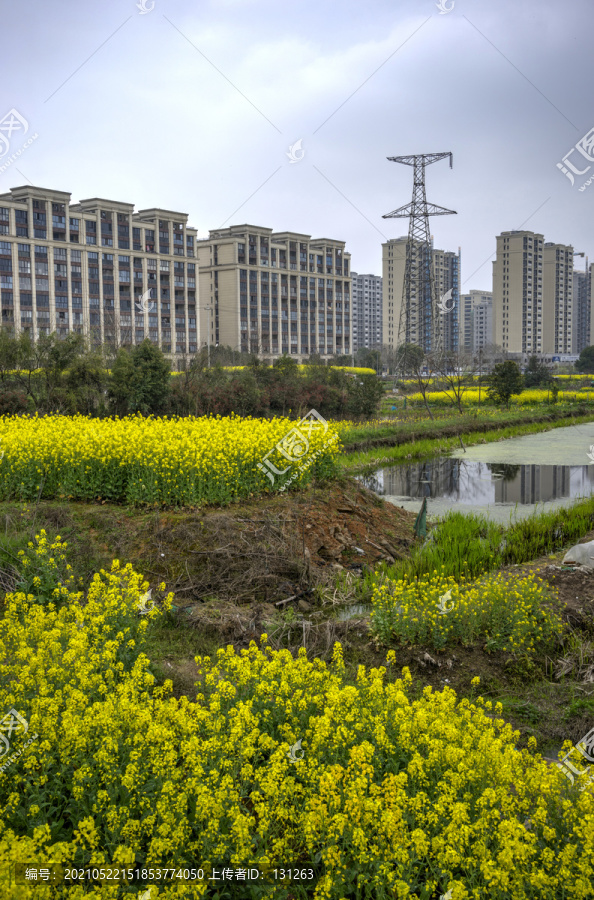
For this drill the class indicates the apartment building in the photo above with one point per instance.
(518, 301)
(557, 328)
(446, 274)
(446, 277)
(273, 293)
(393, 265)
(582, 309)
(366, 294)
(476, 320)
(84, 267)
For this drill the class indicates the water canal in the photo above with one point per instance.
(505, 480)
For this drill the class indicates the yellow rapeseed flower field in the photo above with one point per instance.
(397, 795)
(352, 370)
(178, 461)
(470, 396)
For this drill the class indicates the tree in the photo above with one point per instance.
(365, 394)
(120, 383)
(8, 354)
(86, 380)
(536, 373)
(286, 365)
(455, 371)
(41, 368)
(586, 361)
(505, 381)
(423, 368)
(409, 358)
(140, 380)
(368, 359)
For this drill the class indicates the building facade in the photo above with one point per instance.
(446, 277)
(476, 320)
(518, 302)
(393, 266)
(557, 298)
(275, 293)
(582, 309)
(446, 273)
(366, 294)
(99, 269)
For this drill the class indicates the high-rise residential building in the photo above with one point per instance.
(273, 293)
(85, 267)
(393, 265)
(446, 272)
(518, 303)
(476, 320)
(446, 275)
(557, 330)
(366, 293)
(582, 310)
(483, 324)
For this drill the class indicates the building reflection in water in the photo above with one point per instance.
(479, 483)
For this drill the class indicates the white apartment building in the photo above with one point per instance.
(582, 318)
(366, 293)
(476, 320)
(557, 298)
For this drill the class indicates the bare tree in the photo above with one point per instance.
(455, 369)
(423, 370)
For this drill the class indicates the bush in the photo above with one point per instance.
(13, 403)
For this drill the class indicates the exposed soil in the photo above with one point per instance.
(274, 548)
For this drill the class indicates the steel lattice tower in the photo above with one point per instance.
(419, 312)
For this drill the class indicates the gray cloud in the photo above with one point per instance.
(137, 113)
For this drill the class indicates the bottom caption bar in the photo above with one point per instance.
(256, 873)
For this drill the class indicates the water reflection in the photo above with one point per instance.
(477, 483)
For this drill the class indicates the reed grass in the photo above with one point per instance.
(471, 545)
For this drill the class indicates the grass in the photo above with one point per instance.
(424, 447)
(470, 545)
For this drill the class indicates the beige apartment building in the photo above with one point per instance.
(98, 268)
(518, 292)
(557, 323)
(273, 293)
(532, 294)
(393, 266)
(446, 277)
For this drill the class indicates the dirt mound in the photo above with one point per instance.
(275, 548)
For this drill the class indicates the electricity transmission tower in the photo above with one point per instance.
(419, 321)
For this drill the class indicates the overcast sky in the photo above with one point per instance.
(193, 106)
